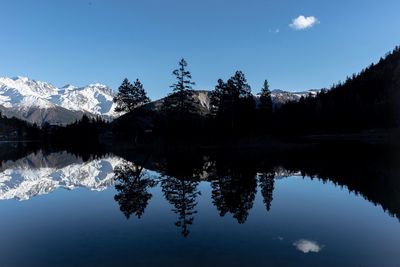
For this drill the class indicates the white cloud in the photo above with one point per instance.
(307, 246)
(302, 23)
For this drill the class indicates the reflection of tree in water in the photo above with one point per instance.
(132, 184)
(266, 181)
(179, 182)
(234, 183)
(234, 192)
(182, 194)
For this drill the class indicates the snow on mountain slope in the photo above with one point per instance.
(21, 91)
(95, 99)
(39, 174)
(21, 96)
(30, 87)
(280, 97)
(40, 102)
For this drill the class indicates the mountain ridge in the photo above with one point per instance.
(40, 102)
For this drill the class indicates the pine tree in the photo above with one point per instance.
(183, 77)
(238, 87)
(140, 93)
(226, 96)
(217, 96)
(124, 96)
(181, 90)
(233, 103)
(265, 98)
(130, 96)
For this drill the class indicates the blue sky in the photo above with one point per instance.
(86, 41)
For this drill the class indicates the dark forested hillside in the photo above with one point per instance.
(16, 129)
(367, 100)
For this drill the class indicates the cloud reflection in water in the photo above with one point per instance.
(307, 246)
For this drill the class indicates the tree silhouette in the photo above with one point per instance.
(182, 195)
(132, 186)
(130, 96)
(234, 190)
(266, 182)
(233, 104)
(264, 111)
(367, 100)
(217, 97)
(16, 129)
(265, 98)
(180, 101)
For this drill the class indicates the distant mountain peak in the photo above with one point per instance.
(280, 97)
(22, 78)
(31, 100)
(69, 87)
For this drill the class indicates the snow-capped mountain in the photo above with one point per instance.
(40, 102)
(95, 99)
(39, 174)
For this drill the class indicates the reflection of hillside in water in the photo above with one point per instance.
(235, 179)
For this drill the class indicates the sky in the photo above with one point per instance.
(296, 45)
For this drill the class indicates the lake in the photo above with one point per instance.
(307, 207)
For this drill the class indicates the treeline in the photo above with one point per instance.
(367, 100)
(16, 129)
(82, 134)
(233, 111)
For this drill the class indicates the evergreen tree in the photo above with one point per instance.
(217, 96)
(237, 86)
(265, 98)
(179, 100)
(140, 93)
(130, 96)
(264, 112)
(233, 103)
(226, 96)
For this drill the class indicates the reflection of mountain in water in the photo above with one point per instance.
(234, 178)
(39, 173)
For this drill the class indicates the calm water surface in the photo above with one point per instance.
(60, 210)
